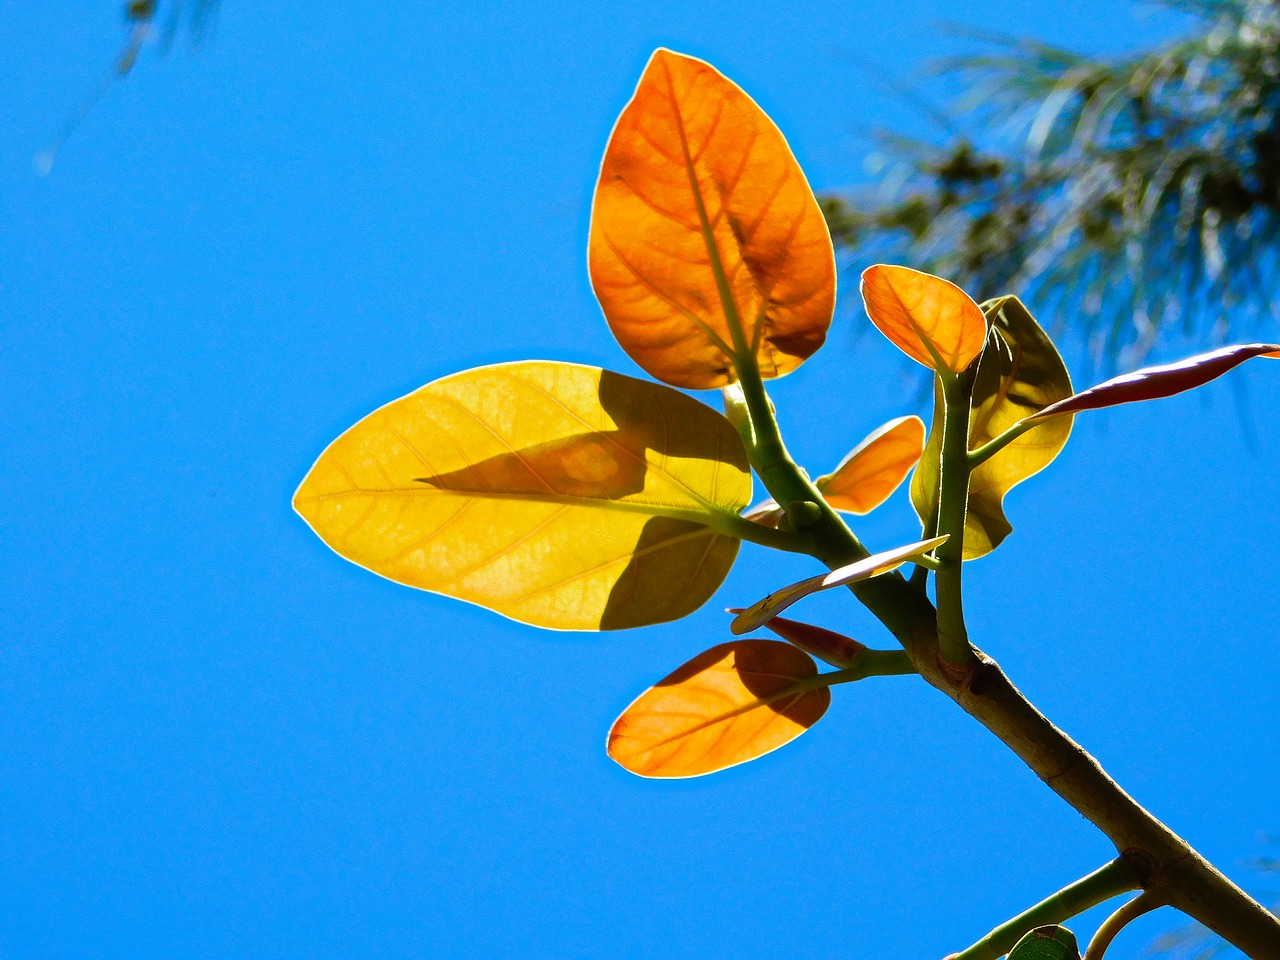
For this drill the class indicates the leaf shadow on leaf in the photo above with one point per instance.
(611, 465)
(755, 665)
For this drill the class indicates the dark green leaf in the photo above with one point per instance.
(1047, 943)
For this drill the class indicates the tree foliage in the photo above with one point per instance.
(1130, 197)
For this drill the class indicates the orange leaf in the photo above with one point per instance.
(706, 241)
(876, 467)
(1154, 383)
(924, 316)
(733, 703)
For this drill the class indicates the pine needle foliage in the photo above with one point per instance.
(1131, 198)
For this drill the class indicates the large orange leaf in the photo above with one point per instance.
(706, 240)
(733, 703)
(930, 319)
(556, 494)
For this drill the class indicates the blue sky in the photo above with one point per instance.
(221, 739)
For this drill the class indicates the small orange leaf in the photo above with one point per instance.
(762, 611)
(706, 240)
(1154, 383)
(875, 468)
(924, 315)
(733, 703)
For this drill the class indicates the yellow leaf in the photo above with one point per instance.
(930, 319)
(706, 241)
(875, 467)
(731, 704)
(1020, 373)
(762, 611)
(556, 494)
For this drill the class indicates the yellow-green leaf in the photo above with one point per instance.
(706, 240)
(733, 703)
(556, 494)
(1019, 374)
(762, 611)
(875, 467)
(929, 319)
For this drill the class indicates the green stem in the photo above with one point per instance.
(953, 635)
(870, 663)
(1115, 878)
(995, 445)
(1143, 903)
(752, 532)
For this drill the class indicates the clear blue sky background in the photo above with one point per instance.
(218, 739)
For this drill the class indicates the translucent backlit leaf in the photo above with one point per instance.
(733, 703)
(930, 319)
(761, 612)
(1153, 383)
(867, 476)
(1052, 942)
(556, 494)
(705, 237)
(827, 645)
(875, 468)
(1019, 374)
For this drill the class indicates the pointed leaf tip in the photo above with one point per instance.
(733, 703)
(705, 237)
(762, 611)
(929, 319)
(1164, 380)
(827, 645)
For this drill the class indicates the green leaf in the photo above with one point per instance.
(1047, 943)
(1019, 374)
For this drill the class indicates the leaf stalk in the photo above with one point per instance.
(1109, 881)
(953, 497)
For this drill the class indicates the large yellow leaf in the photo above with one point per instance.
(929, 319)
(731, 704)
(705, 237)
(556, 494)
(1020, 373)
